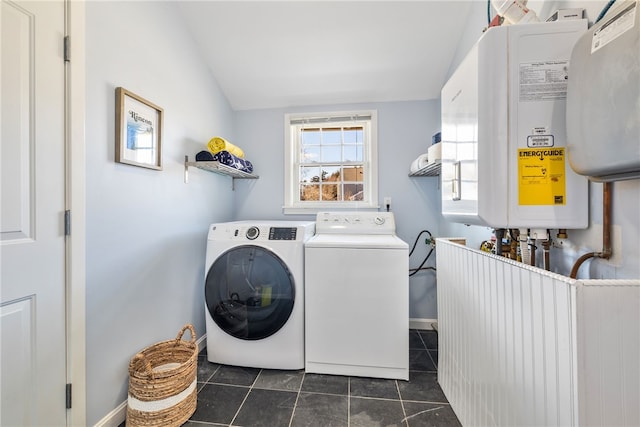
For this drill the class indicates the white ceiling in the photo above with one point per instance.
(272, 54)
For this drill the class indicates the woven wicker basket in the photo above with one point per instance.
(162, 383)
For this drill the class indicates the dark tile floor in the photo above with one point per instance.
(235, 396)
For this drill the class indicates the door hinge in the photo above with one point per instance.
(67, 223)
(68, 396)
(67, 49)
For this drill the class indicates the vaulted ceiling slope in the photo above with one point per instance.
(273, 54)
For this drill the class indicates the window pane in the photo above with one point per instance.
(332, 153)
(353, 173)
(332, 136)
(330, 192)
(310, 136)
(310, 174)
(353, 153)
(353, 192)
(329, 155)
(353, 135)
(331, 173)
(310, 192)
(310, 154)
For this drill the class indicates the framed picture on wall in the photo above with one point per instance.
(138, 131)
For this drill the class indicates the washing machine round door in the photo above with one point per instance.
(249, 292)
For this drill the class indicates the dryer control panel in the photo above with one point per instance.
(355, 223)
(260, 231)
(274, 233)
(282, 233)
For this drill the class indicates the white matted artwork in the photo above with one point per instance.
(138, 131)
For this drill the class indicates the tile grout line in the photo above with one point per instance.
(428, 350)
(424, 344)
(404, 411)
(385, 399)
(422, 412)
(245, 398)
(205, 382)
(430, 402)
(348, 401)
(432, 361)
(421, 340)
(295, 404)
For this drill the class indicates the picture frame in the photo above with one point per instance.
(138, 131)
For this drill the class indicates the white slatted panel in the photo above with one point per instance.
(506, 340)
(609, 351)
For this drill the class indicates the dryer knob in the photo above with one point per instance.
(252, 233)
(378, 220)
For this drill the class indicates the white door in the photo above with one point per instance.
(32, 248)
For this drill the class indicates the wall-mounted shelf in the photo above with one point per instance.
(218, 168)
(432, 169)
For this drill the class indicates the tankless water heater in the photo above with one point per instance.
(504, 158)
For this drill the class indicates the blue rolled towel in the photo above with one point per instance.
(229, 159)
(204, 156)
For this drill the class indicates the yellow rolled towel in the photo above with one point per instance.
(217, 144)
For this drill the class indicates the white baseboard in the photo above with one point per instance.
(115, 417)
(422, 324)
(119, 414)
(202, 343)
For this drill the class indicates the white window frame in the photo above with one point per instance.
(292, 202)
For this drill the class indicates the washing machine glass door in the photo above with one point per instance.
(249, 292)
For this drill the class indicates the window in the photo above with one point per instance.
(330, 161)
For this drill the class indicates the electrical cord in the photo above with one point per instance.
(415, 270)
(488, 12)
(422, 269)
(418, 238)
(605, 10)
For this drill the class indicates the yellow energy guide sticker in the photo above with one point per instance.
(541, 176)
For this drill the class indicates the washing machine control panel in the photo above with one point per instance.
(355, 223)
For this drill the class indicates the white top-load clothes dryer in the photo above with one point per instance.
(254, 293)
(357, 297)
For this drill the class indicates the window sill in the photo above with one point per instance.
(290, 210)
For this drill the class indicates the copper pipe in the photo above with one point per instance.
(533, 252)
(546, 244)
(606, 220)
(499, 237)
(583, 258)
(513, 252)
(606, 231)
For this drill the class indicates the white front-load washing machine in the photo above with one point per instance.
(254, 293)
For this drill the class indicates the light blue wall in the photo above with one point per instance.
(146, 229)
(626, 195)
(404, 132)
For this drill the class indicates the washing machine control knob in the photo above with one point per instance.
(378, 220)
(252, 233)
